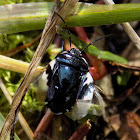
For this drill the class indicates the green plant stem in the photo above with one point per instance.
(16, 65)
(32, 16)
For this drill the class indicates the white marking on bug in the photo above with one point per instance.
(42, 83)
(44, 77)
(63, 52)
(89, 79)
(80, 110)
(84, 60)
(89, 94)
(52, 63)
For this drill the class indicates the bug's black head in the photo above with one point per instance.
(73, 58)
(75, 52)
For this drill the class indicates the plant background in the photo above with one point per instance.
(121, 120)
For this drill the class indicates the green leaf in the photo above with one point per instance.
(91, 49)
(2, 120)
(32, 16)
(123, 78)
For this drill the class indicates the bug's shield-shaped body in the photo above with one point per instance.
(68, 79)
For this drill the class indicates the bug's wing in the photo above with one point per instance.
(97, 106)
(98, 100)
(91, 104)
(40, 83)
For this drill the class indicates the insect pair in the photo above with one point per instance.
(70, 86)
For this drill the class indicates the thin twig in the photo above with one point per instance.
(44, 123)
(81, 131)
(21, 119)
(119, 66)
(128, 29)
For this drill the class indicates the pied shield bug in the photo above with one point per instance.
(68, 79)
(69, 83)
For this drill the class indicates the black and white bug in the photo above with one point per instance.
(68, 84)
(68, 80)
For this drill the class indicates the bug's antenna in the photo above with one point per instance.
(66, 27)
(95, 41)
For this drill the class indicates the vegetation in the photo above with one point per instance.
(21, 27)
